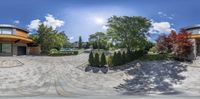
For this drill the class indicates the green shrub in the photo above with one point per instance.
(114, 59)
(103, 60)
(128, 56)
(52, 51)
(97, 63)
(75, 52)
(91, 59)
(55, 52)
(123, 58)
(153, 49)
(152, 57)
(119, 58)
(109, 61)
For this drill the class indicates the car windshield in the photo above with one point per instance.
(100, 49)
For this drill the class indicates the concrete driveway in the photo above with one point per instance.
(43, 76)
(54, 76)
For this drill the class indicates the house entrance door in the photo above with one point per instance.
(198, 47)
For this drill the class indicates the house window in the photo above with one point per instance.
(6, 31)
(5, 48)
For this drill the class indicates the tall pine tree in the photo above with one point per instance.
(80, 42)
(91, 59)
(103, 59)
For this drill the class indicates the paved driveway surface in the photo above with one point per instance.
(42, 75)
(59, 76)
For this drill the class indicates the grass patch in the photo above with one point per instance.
(152, 57)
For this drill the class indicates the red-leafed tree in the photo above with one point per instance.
(181, 45)
(176, 43)
(171, 39)
(162, 44)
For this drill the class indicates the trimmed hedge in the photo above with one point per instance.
(116, 60)
(91, 59)
(103, 60)
(96, 60)
(55, 52)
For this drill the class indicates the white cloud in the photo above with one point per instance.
(161, 27)
(16, 22)
(34, 24)
(50, 21)
(167, 16)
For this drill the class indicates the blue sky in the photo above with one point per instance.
(83, 17)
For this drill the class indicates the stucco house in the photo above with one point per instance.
(195, 38)
(14, 41)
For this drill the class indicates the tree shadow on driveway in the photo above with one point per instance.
(96, 69)
(153, 77)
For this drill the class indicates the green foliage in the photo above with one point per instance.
(97, 63)
(153, 49)
(91, 59)
(152, 57)
(34, 37)
(75, 52)
(98, 40)
(119, 58)
(55, 52)
(129, 56)
(87, 45)
(129, 32)
(114, 59)
(80, 42)
(148, 46)
(109, 61)
(67, 43)
(103, 59)
(49, 38)
(123, 58)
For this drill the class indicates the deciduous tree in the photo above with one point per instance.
(130, 32)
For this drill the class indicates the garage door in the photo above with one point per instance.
(21, 50)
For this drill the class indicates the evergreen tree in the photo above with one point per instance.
(124, 58)
(114, 60)
(80, 42)
(91, 59)
(97, 59)
(87, 45)
(128, 57)
(103, 59)
(119, 59)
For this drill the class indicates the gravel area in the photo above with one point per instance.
(59, 76)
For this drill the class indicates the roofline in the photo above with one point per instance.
(192, 27)
(14, 27)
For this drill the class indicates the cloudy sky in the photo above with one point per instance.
(83, 17)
